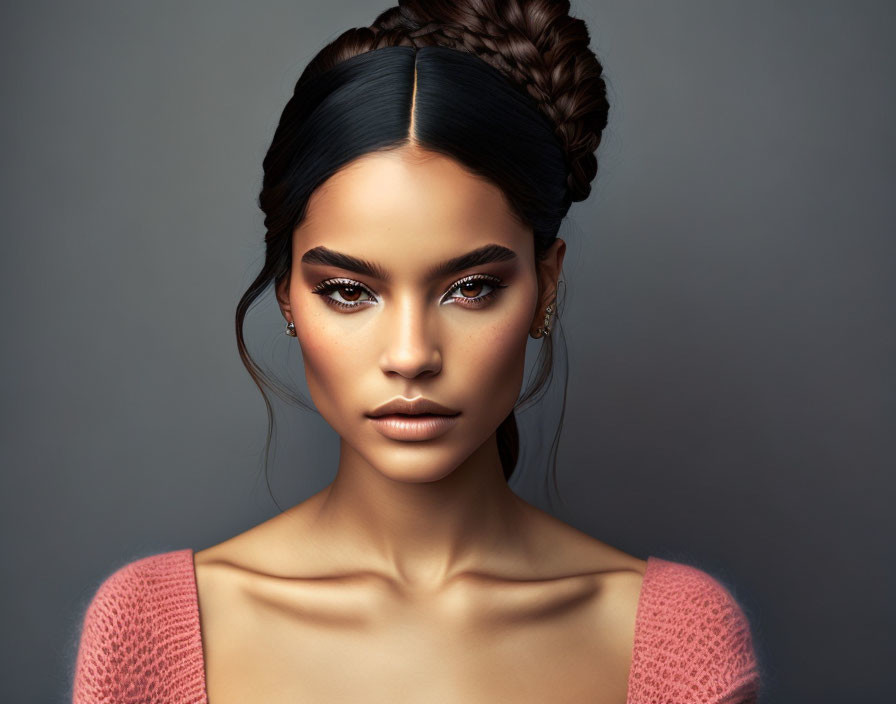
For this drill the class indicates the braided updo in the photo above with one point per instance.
(507, 88)
(534, 43)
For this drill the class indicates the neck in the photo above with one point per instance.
(422, 534)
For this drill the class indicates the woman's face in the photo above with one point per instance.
(457, 337)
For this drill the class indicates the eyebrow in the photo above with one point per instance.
(483, 255)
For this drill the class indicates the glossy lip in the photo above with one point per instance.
(425, 427)
(415, 406)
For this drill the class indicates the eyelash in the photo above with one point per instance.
(324, 288)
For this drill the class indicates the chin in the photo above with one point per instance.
(421, 477)
(414, 462)
(417, 465)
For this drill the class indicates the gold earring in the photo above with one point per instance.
(291, 329)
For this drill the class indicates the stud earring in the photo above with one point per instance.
(290, 329)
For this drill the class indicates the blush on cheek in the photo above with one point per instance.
(498, 367)
(327, 364)
(327, 386)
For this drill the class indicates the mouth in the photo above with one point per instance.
(414, 427)
(412, 408)
(417, 415)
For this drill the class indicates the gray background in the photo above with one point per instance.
(729, 312)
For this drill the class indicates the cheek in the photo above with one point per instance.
(332, 359)
(493, 363)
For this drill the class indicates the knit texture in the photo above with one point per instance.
(692, 641)
(141, 641)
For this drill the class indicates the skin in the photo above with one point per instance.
(417, 575)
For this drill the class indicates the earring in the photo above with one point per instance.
(545, 329)
(290, 329)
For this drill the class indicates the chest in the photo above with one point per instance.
(566, 651)
(548, 667)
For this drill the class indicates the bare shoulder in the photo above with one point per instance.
(233, 578)
(573, 549)
(615, 575)
(225, 571)
(611, 576)
(264, 546)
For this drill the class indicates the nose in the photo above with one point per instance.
(410, 335)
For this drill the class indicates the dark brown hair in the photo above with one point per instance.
(510, 89)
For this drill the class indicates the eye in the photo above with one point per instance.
(472, 285)
(349, 291)
(349, 288)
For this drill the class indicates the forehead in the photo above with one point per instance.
(408, 204)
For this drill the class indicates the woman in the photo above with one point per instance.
(413, 192)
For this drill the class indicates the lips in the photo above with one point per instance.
(424, 426)
(401, 407)
(411, 415)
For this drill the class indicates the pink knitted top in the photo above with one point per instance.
(141, 641)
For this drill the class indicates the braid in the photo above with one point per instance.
(534, 43)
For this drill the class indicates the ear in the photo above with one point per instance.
(549, 270)
(281, 289)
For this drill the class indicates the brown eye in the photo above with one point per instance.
(470, 290)
(348, 292)
(474, 288)
(353, 292)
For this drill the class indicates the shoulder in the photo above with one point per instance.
(138, 588)
(693, 600)
(137, 617)
(147, 572)
(690, 626)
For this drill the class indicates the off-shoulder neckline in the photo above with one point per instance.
(652, 563)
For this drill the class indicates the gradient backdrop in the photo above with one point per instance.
(729, 317)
